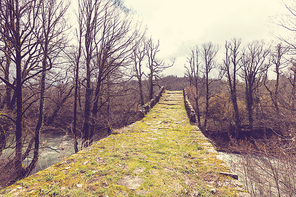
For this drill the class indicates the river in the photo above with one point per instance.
(264, 176)
(53, 148)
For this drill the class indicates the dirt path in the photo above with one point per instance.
(161, 155)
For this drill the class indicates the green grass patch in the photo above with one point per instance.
(161, 155)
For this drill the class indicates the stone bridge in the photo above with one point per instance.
(160, 155)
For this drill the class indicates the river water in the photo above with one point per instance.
(53, 148)
(264, 176)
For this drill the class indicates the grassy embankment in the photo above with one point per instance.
(161, 155)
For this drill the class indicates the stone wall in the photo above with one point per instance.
(149, 105)
(189, 109)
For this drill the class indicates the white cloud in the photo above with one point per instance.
(179, 25)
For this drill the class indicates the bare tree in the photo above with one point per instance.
(52, 41)
(108, 37)
(155, 65)
(208, 53)
(24, 51)
(90, 19)
(34, 34)
(112, 54)
(277, 56)
(231, 66)
(287, 22)
(76, 63)
(139, 54)
(292, 80)
(194, 78)
(45, 38)
(253, 66)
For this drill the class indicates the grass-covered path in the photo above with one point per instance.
(161, 155)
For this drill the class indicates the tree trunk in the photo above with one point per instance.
(87, 109)
(249, 100)
(108, 106)
(19, 100)
(41, 115)
(236, 114)
(88, 91)
(142, 101)
(234, 59)
(75, 103)
(207, 101)
(95, 108)
(232, 86)
(277, 91)
(197, 111)
(2, 140)
(151, 86)
(293, 83)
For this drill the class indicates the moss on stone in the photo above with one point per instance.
(174, 158)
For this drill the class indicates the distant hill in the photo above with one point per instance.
(173, 83)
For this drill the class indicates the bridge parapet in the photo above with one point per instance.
(189, 109)
(149, 105)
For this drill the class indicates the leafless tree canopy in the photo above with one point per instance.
(73, 77)
(251, 109)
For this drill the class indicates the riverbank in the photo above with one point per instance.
(161, 155)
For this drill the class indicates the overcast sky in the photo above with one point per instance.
(182, 24)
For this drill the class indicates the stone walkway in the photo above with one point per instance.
(161, 155)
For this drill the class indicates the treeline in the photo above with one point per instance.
(245, 102)
(84, 77)
(250, 92)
